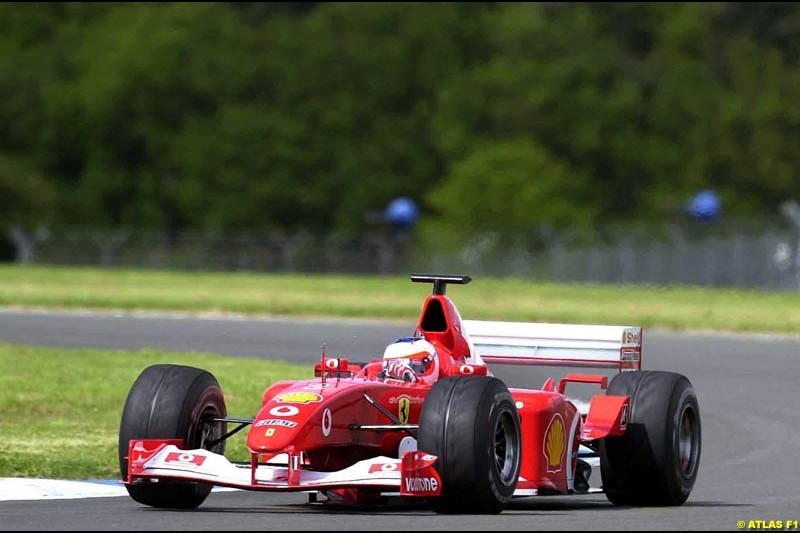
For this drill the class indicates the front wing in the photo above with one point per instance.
(414, 475)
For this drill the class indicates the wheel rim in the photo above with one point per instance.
(506, 449)
(207, 431)
(688, 441)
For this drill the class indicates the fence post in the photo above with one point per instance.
(791, 210)
(23, 242)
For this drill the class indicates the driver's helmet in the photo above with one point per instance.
(411, 359)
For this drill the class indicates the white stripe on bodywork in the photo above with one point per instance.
(571, 471)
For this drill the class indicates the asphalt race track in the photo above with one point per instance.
(747, 388)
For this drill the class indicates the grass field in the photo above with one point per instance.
(61, 408)
(396, 297)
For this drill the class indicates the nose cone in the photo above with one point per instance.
(291, 417)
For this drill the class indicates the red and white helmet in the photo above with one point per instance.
(413, 354)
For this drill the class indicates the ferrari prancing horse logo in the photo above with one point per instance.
(403, 409)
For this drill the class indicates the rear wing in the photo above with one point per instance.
(522, 343)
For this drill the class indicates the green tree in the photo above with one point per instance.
(512, 187)
(135, 80)
(354, 86)
(544, 82)
(26, 199)
(259, 116)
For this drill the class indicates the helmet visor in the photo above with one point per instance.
(420, 365)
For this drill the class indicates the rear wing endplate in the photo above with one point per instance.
(523, 343)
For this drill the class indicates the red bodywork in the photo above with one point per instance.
(319, 423)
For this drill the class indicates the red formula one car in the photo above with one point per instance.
(428, 421)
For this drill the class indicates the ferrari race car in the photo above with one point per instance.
(464, 441)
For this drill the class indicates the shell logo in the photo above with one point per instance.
(554, 445)
(299, 397)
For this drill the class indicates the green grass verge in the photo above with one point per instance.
(61, 408)
(395, 297)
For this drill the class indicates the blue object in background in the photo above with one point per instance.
(706, 206)
(402, 213)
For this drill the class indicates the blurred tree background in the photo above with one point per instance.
(261, 116)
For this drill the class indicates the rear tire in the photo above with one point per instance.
(171, 402)
(472, 425)
(656, 462)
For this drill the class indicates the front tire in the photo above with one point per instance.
(656, 462)
(472, 425)
(172, 402)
